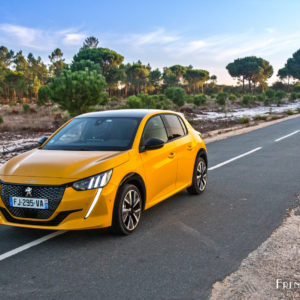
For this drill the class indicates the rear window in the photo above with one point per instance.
(173, 126)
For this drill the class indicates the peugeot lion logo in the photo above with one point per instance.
(28, 192)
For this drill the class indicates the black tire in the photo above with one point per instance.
(199, 177)
(127, 209)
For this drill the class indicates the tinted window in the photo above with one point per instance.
(183, 125)
(154, 129)
(174, 128)
(99, 133)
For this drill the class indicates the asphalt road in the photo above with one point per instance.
(183, 245)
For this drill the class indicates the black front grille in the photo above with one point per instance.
(54, 222)
(54, 195)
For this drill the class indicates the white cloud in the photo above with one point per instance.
(164, 48)
(270, 30)
(36, 39)
(157, 37)
(74, 39)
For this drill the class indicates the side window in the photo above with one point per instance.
(183, 125)
(154, 129)
(173, 126)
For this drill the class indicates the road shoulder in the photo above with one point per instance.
(217, 135)
(271, 271)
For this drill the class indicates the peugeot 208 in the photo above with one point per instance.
(103, 169)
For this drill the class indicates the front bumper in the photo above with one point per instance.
(71, 213)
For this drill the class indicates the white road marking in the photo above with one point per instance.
(286, 136)
(233, 159)
(31, 244)
(57, 233)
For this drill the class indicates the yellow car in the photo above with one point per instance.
(103, 169)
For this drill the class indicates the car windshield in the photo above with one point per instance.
(95, 134)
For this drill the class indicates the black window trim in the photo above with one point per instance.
(161, 115)
(185, 130)
(179, 137)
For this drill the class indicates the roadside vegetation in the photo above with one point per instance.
(98, 79)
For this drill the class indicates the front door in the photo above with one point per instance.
(160, 165)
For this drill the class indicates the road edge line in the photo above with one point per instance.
(31, 244)
(233, 159)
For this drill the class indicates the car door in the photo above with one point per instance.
(184, 147)
(160, 165)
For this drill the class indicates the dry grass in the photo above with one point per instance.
(36, 119)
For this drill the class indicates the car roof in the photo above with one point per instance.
(133, 113)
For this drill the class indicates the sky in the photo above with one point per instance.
(205, 34)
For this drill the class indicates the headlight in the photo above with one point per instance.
(93, 182)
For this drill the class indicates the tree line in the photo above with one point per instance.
(97, 74)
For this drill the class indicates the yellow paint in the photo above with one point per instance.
(164, 171)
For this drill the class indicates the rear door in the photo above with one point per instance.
(183, 146)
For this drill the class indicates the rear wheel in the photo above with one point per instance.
(127, 209)
(199, 177)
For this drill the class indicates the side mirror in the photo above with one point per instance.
(42, 140)
(153, 143)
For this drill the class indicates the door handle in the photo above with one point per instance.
(190, 147)
(171, 155)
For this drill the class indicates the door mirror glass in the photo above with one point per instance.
(42, 140)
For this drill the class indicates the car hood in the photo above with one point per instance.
(69, 165)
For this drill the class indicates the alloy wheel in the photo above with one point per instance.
(201, 175)
(131, 210)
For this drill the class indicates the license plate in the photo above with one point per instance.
(23, 202)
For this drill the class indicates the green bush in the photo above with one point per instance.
(165, 104)
(176, 94)
(247, 99)
(147, 101)
(293, 96)
(261, 97)
(189, 99)
(26, 108)
(296, 88)
(200, 99)
(213, 96)
(270, 93)
(267, 102)
(279, 95)
(232, 97)
(43, 95)
(275, 117)
(244, 120)
(78, 91)
(222, 98)
(134, 102)
(289, 112)
(260, 117)
(298, 110)
(1, 119)
(114, 99)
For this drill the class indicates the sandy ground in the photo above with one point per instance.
(270, 272)
(221, 134)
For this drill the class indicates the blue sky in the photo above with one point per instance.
(205, 34)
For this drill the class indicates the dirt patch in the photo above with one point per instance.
(37, 119)
(270, 272)
(14, 143)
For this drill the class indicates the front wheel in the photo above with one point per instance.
(199, 177)
(127, 210)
